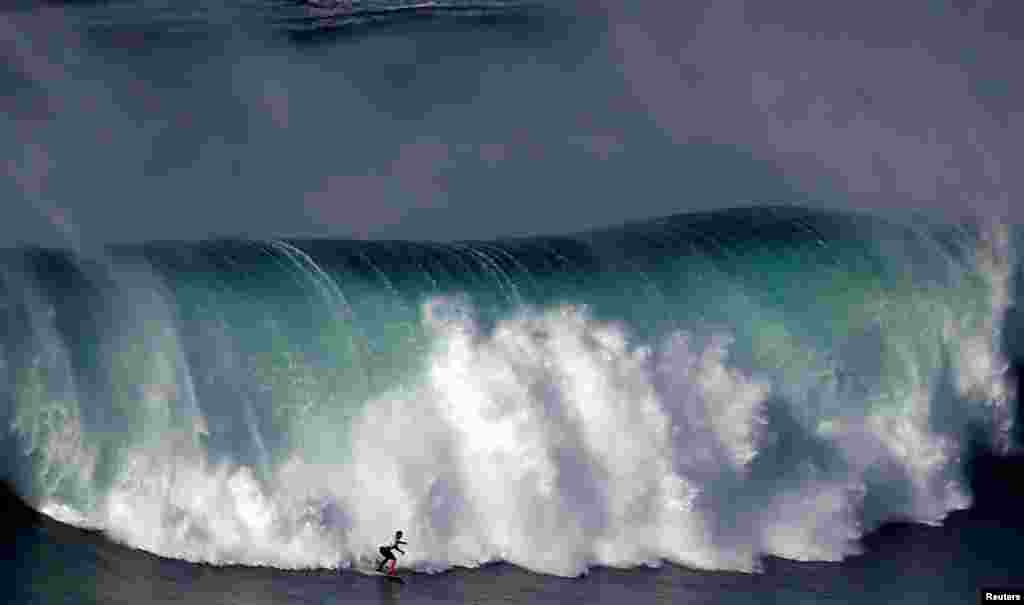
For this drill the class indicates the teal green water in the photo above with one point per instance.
(256, 355)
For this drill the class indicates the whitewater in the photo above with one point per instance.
(705, 389)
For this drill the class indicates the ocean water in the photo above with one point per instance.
(730, 406)
(761, 404)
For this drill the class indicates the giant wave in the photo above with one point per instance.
(703, 389)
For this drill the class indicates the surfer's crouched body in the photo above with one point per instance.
(388, 555)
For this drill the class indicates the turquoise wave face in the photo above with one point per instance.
(703, 388)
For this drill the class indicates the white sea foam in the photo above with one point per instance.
(555, 441)
(550, 441)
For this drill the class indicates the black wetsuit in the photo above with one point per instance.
(388, 555)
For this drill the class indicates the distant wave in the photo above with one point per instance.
(340, 18)
(290, 16)
(704, 389)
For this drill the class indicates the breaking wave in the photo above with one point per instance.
(703, 389)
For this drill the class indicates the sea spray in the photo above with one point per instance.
(703, 389)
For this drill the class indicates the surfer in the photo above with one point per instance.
(388, 555)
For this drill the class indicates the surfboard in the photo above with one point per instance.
(391, 576)
(386, 576)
